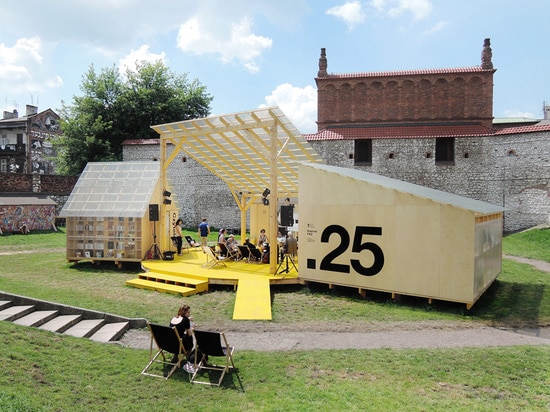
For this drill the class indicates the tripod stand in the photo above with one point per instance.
(285, 260)
(154, 248)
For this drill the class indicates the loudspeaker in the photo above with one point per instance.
(287, 215)
(153, 213)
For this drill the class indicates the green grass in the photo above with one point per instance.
(533, 244)
(43, 371)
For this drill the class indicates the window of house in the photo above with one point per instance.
(4, 165)
(19, 138)
(363, 151)
(445, 149)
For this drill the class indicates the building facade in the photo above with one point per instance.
(25, 142)
(435, 128)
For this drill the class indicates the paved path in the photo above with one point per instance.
(399, 339)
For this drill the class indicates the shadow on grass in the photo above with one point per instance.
(510, 304)
(106, 266)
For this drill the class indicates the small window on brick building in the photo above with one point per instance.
(466, 155)
(391, 155)
(428, 155)
(3, 165)
(363, 152)
(445, 150)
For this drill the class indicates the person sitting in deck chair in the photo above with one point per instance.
(183, 323)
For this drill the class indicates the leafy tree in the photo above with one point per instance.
(113, 109)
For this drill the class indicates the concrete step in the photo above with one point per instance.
(36, 318)
(15, 312)
(110, 332)
(5, 304)
(61, 323)
(85, 328)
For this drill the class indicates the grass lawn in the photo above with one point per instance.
(43, 371)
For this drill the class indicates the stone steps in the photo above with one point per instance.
(84, 325)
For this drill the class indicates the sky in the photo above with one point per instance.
(255, 53)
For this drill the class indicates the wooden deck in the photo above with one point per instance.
(186, 275)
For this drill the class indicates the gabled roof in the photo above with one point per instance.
(541, 127)
(113, 189)
(245, 149)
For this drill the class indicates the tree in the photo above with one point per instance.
(113, 109)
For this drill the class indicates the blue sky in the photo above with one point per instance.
(250, 53)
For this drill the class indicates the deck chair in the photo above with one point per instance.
(169, 343)
(230, 254)
(245, 253)
(212, 344)
(192, 242)
(212, 259)
(255, 254)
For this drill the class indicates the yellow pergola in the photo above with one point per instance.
(250, 151)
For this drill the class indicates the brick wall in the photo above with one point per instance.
(382, 99)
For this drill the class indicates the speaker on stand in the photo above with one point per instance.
(154, 250)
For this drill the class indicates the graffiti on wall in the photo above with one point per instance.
(35, 217)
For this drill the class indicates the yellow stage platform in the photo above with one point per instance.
(186, 275)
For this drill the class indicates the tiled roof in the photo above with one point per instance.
(475, 69)
(399, 132)
(544, 127)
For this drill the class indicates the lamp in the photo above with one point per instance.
(166, 193)
(265, 194)
(167, 201)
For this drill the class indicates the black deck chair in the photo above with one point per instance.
(212, 344)
(255, 253)
(169, 344)
(245, 253)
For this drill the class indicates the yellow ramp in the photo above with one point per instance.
(253, 300)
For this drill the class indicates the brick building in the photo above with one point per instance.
(435, 128)
(25, 141)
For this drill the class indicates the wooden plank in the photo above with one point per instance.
(161, 287)
(253, 300)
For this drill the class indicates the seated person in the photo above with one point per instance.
(221, 241)
(183, 323)
(262, 238)
(256, 253)
(232, 247)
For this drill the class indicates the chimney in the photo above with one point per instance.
(322, 64)
(8, 115)
(31, 110)
(486, 55)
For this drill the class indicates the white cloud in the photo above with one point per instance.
(202, 35)
(22, 69)
(419, 8)
(351, 13)
(298, 104)
(136, 56)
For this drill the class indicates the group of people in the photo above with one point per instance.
(229, 245)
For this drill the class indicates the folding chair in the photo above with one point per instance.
(212, 344)
(168, 342)
(255, 253)
(192, 242)
(230, 254)
(212, 259)
(245, 253)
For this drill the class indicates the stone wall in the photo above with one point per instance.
(197, 192)
(512, 171)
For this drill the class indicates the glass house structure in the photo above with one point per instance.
(112, 214)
